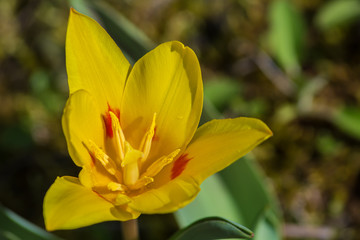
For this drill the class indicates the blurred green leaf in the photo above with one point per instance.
(347, 119)
(14, 227)
(240, 194)
(253, 107)
(213, 200)
(131, 40)
(327, 145)
(287, 32)
(266, 230)
(251, 193)
(221, 91)
(39, 82)
(14, 138)
(213, 228)
(307, 92)
(81, 6)
(337, 13)
(41, 88)
(283, 115)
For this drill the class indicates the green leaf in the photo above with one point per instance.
(14, 227)
(347, 119)
(337, 13)
(213, 200)
(249, 190)
(213, 228)
(287, 35)
(238, 193)
(221, 91)
(131, 40)
(266, 230)
(81, 6)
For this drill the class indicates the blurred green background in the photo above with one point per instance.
(293, 64)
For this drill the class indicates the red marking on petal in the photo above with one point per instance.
(116, 111)
(108, 125)
(155, 137)
(108, 121)
(179, 165)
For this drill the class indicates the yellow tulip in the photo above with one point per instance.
(133, 131)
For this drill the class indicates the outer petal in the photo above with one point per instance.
(82, 121)
(168, 198)
(69, 205)
(166, 81)
(94, 62)
(217, 144)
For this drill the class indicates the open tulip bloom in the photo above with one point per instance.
(133, 131)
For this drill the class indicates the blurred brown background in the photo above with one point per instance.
(298, 70)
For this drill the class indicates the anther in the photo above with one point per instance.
(159, 164)
(142, 182)
(119, 136)
(99, 155)
(113, 186)
(147, 139)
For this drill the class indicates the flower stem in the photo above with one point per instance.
(130, 230)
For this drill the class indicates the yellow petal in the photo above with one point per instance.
(82, 121)
(168, 198)
(217, 144)
(166, 81)
(69, 205)
(94, 62)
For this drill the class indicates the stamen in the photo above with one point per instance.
(159, 164)
(142, 182)
(99, 155)
(119, 136)
(147, 140)
(113, 186)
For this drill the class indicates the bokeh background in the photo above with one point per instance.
(293, 64)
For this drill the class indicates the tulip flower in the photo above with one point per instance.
(133, 132)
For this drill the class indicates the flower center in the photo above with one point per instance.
(126, 166)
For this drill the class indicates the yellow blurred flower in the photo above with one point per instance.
(133, 131)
